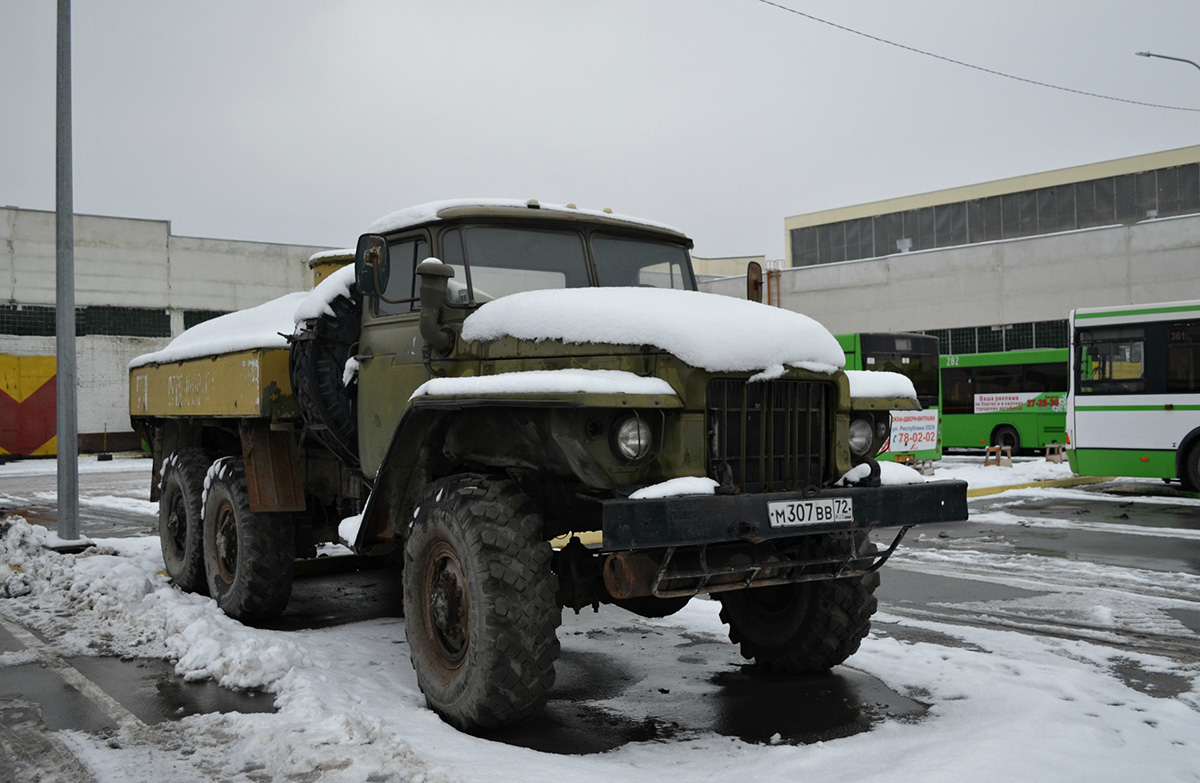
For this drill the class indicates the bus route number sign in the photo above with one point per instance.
(817, 511)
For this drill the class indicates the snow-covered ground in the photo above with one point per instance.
(1004, 703)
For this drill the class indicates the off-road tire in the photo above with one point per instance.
(316, 366)
(479, 602)
(249, 556)
(807, 627)
(180, 520)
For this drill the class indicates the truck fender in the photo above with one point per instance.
(404, 472)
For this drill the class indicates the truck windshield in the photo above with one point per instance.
(494, 261)
(625, 261)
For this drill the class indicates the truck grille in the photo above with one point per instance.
(770, 436)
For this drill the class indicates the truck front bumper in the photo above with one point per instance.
(695, 520)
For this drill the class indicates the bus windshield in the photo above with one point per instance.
(915, 357)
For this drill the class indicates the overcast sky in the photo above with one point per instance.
(302, 122)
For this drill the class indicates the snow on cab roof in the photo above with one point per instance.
(432, 212)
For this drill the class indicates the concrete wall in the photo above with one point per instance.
(138, 263)
(127, 262)
(1031, 279)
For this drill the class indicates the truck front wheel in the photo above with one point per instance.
(180, 525)
(249, 556)
(806, 627)
(479, 602)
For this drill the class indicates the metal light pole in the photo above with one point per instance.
(64, 316)
(1168, 57)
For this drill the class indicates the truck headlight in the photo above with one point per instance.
(862, 436)
(632, 438)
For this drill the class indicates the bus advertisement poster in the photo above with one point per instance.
(994, 403)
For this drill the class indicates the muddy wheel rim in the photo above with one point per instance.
(447, 605)
(177, 523)
(226, 543)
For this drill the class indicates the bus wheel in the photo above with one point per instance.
(1189, 476)
(1006, 436)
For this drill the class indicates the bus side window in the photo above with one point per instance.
(957, 396)
(1112, 361)
(1046, 378)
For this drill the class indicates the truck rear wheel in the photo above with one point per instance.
(806, 627)
(479, 602)
(180, 524)
(249, 556)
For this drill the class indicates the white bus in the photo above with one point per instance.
(1134, 402)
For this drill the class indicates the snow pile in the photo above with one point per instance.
(1024, 470)
(546, 382)
(711, 332)
(879, 383)
(427, 213)
(264, 326)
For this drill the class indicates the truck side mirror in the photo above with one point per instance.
(371, 267)
(754, 285)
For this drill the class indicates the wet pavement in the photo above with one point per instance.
(113, 497)
(604, 696)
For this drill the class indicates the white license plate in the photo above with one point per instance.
(817, 511)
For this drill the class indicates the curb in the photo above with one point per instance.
(1074, 481)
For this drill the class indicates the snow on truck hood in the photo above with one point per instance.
(707, 331)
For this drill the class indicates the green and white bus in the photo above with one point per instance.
(914, 434)
(1004, 398)
(1134, 407)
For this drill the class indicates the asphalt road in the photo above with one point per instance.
(48, 693)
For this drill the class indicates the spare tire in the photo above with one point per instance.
(320, 350)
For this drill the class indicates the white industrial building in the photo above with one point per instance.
(991, 266)
(999, 265)
(137, 285)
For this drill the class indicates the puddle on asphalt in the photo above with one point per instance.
(61, 707)
(802, 710)
(151, 690)
(740, 702)
(1161, 685)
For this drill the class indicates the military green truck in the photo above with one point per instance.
(530, 407)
